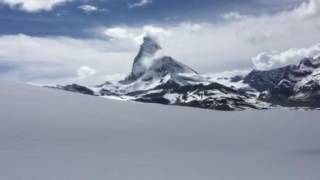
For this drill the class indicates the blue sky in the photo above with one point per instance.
(68, 19)
(90, 41)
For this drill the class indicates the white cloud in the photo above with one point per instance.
(140, 3)
(85, 72)
(136, 34)
(119, 33)
(275, 59)
(88, 8)
(233, 16)
(34, 5)
(158, 32)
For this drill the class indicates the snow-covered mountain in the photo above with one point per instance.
(156, 78)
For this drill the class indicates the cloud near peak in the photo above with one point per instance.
(265, 61)
(136, 34)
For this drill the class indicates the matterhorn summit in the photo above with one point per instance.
(147, 51)
(151, 64)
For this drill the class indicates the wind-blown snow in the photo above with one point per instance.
(47, 134)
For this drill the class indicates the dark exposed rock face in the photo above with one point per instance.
(76, 88)
(293, 86)
(264, 80)
(211, 96)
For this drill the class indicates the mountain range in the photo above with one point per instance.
(155, 78)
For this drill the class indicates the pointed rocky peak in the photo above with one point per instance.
(147, 51)
(149, 46)
(149, 65)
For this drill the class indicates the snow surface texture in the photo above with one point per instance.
(55, 135)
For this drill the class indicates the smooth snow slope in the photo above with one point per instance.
(54, 135)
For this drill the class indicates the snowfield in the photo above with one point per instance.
(47, 134)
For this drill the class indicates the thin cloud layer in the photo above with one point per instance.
(265, 61)
(88, 8)
(140, 3)
(233, 16)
